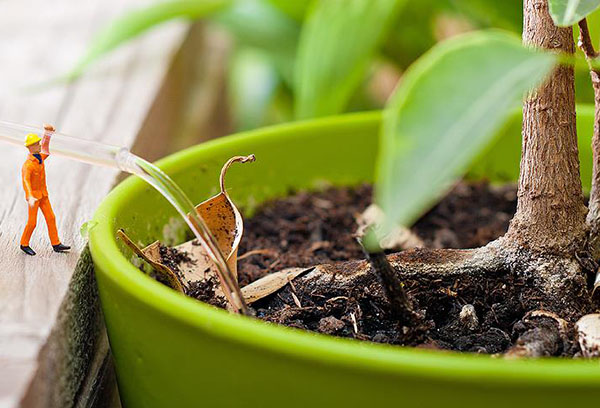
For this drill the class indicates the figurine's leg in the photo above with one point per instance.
(50, 220)
(31, 223)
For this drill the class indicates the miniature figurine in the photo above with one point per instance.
(36, 193)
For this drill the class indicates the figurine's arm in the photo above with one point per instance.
(26, 175)
(48, 131)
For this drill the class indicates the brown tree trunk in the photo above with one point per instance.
(593, 217)
(550, 211)
(594, 214)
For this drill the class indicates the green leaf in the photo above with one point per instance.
(568, 12)
(136, 22)
(295, 9)
(505, 14)
(251, 87)
(258, 24)
(449, 106)
(337, 42)
(413, 32)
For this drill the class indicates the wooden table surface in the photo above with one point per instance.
(131, 96)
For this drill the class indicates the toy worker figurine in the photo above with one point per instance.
(34, 184)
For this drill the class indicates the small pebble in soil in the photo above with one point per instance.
(468, 317)
(330, 325)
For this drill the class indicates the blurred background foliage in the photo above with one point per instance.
(295, 59)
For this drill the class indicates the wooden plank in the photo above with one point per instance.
(109, 104)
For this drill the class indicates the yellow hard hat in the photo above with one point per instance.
(32, 138)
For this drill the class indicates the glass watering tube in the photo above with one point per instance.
(121, 158)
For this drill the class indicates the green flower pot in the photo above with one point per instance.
(173, 351)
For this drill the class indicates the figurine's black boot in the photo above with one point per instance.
(60, 248)
(27, 250)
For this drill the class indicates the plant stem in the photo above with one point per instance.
(392, 286)
(550, 213)
(585, 41)
(593, 217)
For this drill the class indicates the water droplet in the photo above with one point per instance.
(86, 228)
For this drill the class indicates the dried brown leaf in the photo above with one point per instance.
(296, 300)
(222, 227)
(251, 293)
(271, 283)
(151, 254)
(225, 222)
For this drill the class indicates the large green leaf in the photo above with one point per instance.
(337, 41)
(447, 109)
(136, 22)
(568, 12)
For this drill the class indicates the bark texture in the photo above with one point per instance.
(593, 217)
(551, 212)
(594, 205)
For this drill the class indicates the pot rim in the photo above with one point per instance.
(296, 343)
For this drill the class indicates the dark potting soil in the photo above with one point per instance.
(201, 290)
(466, 313)
(307, 229)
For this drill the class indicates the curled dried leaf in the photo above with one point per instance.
(151, 254)
(226, 224)
(224, 219)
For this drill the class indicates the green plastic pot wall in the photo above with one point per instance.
(173, 351)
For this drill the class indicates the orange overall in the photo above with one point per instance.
(34, 184)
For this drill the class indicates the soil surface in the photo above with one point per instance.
(472, 314)
(306, 229)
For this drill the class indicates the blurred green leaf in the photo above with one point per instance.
(257, 24)
(568, 12)
(136, 22)
(293, 8)
(251, 86)
(505, 14)
(412, 32)
(449, 105)
(337, 41)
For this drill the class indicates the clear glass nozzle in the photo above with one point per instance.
(87, 151)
